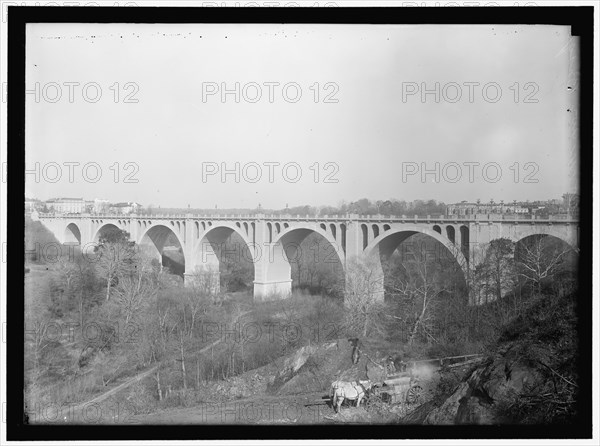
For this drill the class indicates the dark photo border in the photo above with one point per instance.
(579, 18)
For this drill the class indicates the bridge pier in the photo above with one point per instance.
(272, 271)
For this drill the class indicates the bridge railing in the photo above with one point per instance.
(443, 219)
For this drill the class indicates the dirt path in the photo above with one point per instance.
(117, 389)
(309, 408)
(302, 409)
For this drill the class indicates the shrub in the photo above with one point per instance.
(141, 398)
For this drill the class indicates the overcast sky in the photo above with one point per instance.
(369, 126)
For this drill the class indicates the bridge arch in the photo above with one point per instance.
(103, 228)
(570, 238)
(153, 241)
(383, 247)
(296, 234)
(72, 234)
(549, 243)
(394, 237)
(546, 260)
(285, 249)
(208, 250)
(451, 233)
(375, 231)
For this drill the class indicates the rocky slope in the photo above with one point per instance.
(311, 368)
(529, 378)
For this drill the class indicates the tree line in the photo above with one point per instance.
(363, 206)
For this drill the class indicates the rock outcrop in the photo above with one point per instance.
(532, 369)
(474, 401)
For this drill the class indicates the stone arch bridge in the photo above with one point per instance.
(269, 238)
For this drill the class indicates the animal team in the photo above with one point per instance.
(357, 390)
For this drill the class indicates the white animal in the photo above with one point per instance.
(341, 390)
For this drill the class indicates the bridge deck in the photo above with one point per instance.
(361, 218)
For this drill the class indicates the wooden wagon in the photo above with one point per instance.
(408, 386)
(401, 387)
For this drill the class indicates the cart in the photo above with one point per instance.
(410, 388)
(401, 387)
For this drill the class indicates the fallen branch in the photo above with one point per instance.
(462, 364)
(558, 374)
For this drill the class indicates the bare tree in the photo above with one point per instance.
(133, 293)
(157, 333)
(181, 359)
(65, 270)
(419, 289)
(39, 329)
(200, 295)
(496, 275)
(540, 259)
(83, 279)
(363, 297)
(116, 256)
